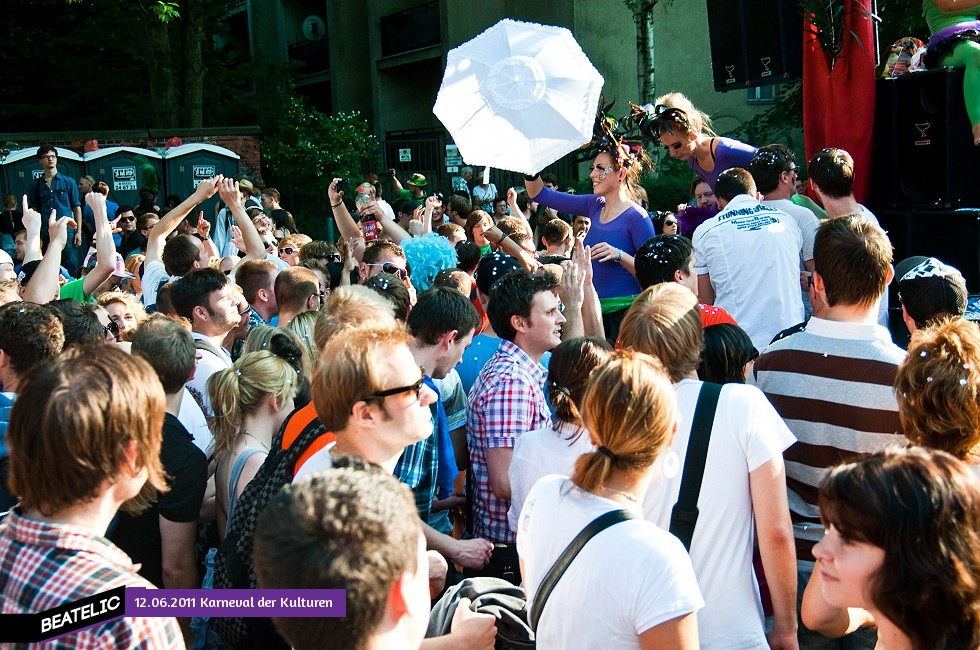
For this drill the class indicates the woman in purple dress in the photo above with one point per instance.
(619, 224)
(687, 135)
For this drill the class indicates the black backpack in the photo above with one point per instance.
(233, 566)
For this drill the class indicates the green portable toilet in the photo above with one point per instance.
(19, 169)
(126, 170)
(189, 164)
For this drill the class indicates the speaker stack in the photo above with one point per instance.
(755, 42)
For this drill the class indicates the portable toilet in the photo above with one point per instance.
(189, 164)
(19, 169)
(126, 170)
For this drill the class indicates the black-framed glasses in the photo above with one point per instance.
(388, 267)
(416, 388)
(329, 257)
(670, 222)
(112, 327)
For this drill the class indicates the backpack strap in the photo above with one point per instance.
(684, 515)
(558, 569)
(202, 344)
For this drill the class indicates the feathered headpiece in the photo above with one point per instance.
(612, 136)
(653, 120)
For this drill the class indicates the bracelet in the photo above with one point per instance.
(501, 240)
(619, 258)
(337, 204)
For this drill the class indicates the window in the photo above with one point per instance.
(761, 95)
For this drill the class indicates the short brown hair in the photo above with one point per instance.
(832, 171)
(355, 526)
(294, 286)
(74, 417)
(354, 371)
(572, 363)
(937, 388)
(253, 275)
(167, 345)
(29, 334)
(853, 256)
(665, 321)
(349, 307)
(374, 251)
(556, 232)
(180, 253)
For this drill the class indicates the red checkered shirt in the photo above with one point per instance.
(506, 401)
(43, 565)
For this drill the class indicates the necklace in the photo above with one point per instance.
(621, 493)
(261, 444)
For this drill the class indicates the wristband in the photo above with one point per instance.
(336, 205)
(619, 258)
(501, 240)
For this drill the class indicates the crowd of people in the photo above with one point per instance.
(471, 406)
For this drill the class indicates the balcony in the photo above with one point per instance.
(312, 56)
(412, 29)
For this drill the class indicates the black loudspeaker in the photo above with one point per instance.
(952, 236)
(923, 152)
(755, 42)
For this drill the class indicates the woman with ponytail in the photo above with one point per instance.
(250, 400)
(632, 585)
(554, 449)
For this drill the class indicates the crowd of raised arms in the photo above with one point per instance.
(429, 411)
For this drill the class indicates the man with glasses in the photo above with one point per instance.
(774, 170)
(383, 257)
(130, 238)
(55, 191)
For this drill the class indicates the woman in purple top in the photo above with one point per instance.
(619, 225)
(687, 135)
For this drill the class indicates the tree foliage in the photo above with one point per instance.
(307, 148)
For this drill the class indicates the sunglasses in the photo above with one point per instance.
(329, 257)
(670, 222)
(111, 328)
(388, 267)
(121, 219)
(416, 388)
(287, 250)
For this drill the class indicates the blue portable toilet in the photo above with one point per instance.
(189, 164)
(126, 170)
(21, 167)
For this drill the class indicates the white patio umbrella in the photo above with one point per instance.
(519, 96)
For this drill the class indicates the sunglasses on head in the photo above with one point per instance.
(388, 267)
(329, 257)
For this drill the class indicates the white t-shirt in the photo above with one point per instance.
(539, 453)
(747, 433)
(806, 221)
(154, 275)
(209, 364)
(628, 579)
(192, 417)
(318, 461)
(752, 253)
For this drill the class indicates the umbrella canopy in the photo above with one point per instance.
(519, 96)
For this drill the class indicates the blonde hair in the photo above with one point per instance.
(238, 391)
(665, 321)
(352, 306)
(698, 122)
(260, 338)
(630, 411)
(303, 326)
(130, 302)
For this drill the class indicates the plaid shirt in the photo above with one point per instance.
(506, 400)
(44, 565)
